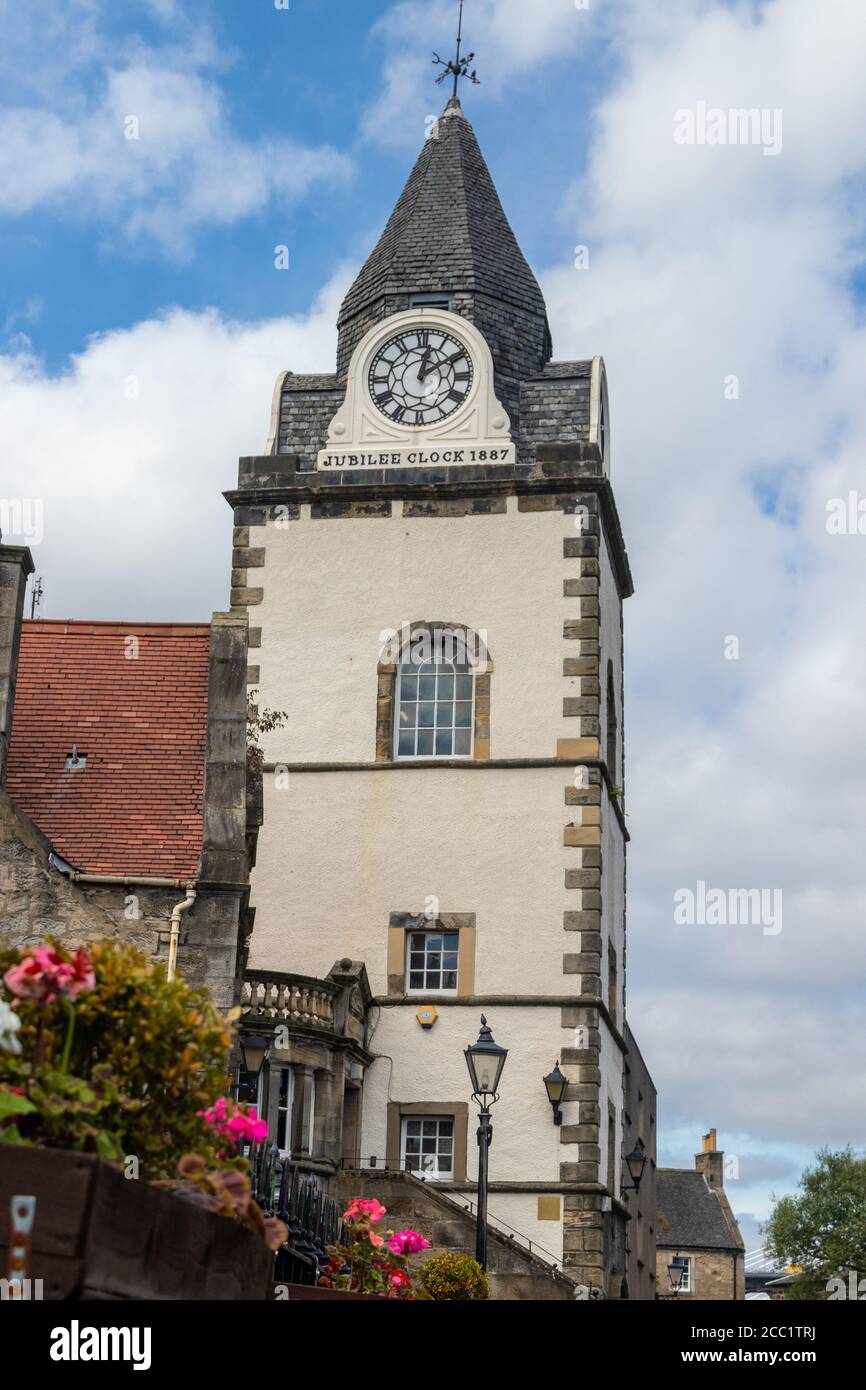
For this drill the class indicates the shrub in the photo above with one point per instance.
(119, 1066)
(453, 1278)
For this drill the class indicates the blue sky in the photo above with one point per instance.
(308, 71)
(144, 325)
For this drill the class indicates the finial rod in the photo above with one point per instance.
(459, 66)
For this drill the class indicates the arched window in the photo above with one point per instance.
(434, 694)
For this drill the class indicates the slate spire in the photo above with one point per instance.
(449, 234)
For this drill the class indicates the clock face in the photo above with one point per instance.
(420, 376)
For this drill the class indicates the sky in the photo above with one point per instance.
(154, 155)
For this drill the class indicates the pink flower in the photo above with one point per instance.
(237, 1123)
(399, 1279)
(407, 1243)
(364, 1206)
(45, 975)
(378, 1241)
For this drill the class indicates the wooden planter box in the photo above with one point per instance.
(99, 1235)
(310, 1293)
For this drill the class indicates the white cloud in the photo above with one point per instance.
(134, 522)
(153, 155)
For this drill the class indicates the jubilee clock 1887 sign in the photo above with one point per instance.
(419, 394)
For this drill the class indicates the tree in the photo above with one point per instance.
(823, 1227)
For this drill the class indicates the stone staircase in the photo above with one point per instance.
(512, 1271)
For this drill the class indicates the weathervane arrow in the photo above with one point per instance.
(459, 66)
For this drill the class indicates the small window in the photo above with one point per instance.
(427, 1147)
(437, 299)
(431, 962)
(612, 770)
(682, 1263)
(435, 703)
(285, 1094)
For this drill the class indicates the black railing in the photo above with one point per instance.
(313, 1219)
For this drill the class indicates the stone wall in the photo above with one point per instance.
(716, 1274)
(37, 900)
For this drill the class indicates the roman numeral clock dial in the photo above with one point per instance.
(420, 377)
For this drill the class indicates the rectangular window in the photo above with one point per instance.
(435, 712)
(431, 962)
(427, 1146)
(430, 299)
(285, 1093)
(683, 1263)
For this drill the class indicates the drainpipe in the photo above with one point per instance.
(175, 930)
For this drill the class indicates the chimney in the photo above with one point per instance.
(711, 1161)
(16, 563)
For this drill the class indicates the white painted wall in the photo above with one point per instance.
(340, 851)
(332, 586)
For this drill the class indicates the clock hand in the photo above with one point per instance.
(422, 372)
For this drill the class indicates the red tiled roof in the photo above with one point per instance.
(142, 722)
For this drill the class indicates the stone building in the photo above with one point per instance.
(697, 1234)
(640, 1133)
(431, 558)
(123, 784)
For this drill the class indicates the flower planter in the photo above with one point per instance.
(99, 1235)
(308, 1293)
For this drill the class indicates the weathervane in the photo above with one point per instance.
(458, 67)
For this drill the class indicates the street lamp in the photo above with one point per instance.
(485, 1060)
(254, 1050)
(556, 1086)
(635, 1162)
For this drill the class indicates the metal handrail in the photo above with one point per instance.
(533, 1248)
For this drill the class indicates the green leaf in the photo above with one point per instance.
(10, 1104)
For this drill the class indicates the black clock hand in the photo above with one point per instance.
(422, 371)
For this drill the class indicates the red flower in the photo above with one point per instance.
(45, 975)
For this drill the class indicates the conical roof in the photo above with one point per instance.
(448, 231)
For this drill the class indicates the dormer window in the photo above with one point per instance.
(437, 299)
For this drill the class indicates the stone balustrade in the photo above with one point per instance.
(287, 999)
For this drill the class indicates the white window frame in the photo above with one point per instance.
(427, 932)
(443, 668)
(284, 1109)
(309, 1119)
(433, 1174)
(686, 1286)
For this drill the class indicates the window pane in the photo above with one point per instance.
(416, 979)
(408, 687)
(425, 716)
(462, 742)
(427, 688)
(434, 961)
(416, 960)
(430, 1127)
(449, 960)
(464, 687)
(425, 743)
(444, 715)
(446, 1127)
(445, 1142)
(463, 714)
(407, 716)
(443, 743)
(413, 1126)
(445, 688)
(449, 979)
(444, 1163)
(449, 941)
(406, 747)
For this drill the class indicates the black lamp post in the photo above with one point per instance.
(485, 1060)
(635, 1162)
(556, 1086)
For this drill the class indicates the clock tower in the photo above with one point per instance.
(429, 552)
